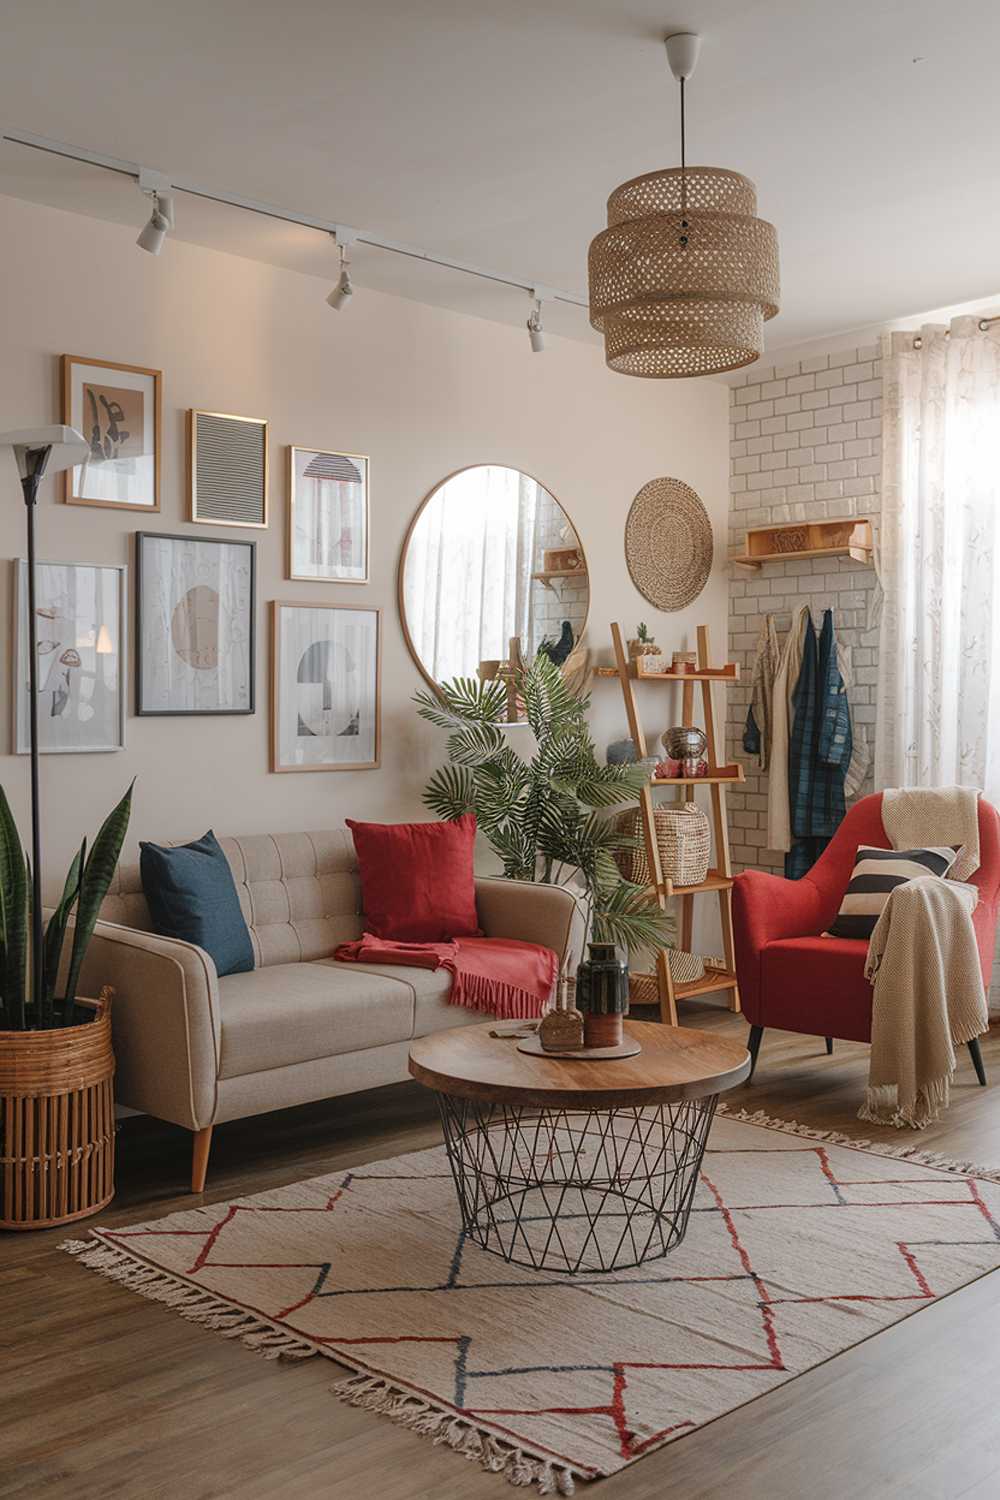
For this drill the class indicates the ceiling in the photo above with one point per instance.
(492, 131)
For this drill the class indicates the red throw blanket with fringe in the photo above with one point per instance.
(500, 975)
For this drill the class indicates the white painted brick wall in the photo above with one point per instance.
(805, 445)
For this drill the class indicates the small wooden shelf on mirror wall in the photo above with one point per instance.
(800, 539)
(547, 578)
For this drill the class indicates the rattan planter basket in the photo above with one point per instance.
(684, 841)
(57, 1122)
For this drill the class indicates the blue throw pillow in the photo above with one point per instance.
(191, 895)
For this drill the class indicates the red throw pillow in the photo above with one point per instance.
(417, 884)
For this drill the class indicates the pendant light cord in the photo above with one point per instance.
(684, 223)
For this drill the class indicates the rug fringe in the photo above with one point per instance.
(205, 1308)
(193, 1303)
(837, 1138)
(481, 1446)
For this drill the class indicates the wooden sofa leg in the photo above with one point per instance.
(753, 1047)
(829, 1046)
(199, 1158)
(975, 1052)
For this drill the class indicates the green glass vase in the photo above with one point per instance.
(602, 995)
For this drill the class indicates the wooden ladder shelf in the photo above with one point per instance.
(720, 877)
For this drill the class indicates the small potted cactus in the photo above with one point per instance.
(643, 644)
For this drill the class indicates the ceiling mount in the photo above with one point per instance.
(682, 53)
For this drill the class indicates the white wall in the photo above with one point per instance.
(421, 390)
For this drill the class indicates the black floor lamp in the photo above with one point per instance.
(38, 452)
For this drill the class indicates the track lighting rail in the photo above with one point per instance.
(289, 216)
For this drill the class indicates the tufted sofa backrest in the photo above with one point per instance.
(299, 892)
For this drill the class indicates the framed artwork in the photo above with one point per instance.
(327, 516)
(227, 469)
(325, 687)
(195, 611)
(119, 410)
(80, 624)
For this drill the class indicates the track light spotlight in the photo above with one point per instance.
(345, 287)
(153, 233)
(536, 333)
(341, 292)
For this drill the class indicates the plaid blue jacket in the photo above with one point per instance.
(819, 750)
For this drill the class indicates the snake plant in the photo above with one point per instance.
(85, 887)
(543, 817)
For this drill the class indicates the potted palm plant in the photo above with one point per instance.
(545, 817)
(56, 1061)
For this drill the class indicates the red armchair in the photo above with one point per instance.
(792, 977)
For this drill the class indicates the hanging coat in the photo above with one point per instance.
(759, 726)
(779, 828)
(819, 751)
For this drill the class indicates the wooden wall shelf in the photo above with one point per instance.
(841, 538)
(546, 578)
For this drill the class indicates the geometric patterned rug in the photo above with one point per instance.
(799, 1246)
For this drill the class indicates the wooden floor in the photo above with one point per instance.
(103, 1393)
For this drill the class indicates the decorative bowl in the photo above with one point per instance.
(684, 742)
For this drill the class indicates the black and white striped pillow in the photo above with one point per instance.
(876, 874)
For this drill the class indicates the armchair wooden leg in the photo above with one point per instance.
(829, 1046)
(753, 1047)
(975, 1052)
(199, 1158)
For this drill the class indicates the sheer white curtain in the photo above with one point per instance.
(938, 719)
(468, 570)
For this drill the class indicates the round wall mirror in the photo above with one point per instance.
(491, 570)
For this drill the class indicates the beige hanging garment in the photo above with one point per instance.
(762, 675)
(779, 817)
(861, 754)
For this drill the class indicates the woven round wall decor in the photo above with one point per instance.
(668, 543)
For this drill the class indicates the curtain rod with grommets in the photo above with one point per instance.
(982, 325)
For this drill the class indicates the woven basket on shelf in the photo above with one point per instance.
(683, 837)
(794, 539)
(57, 1121)
(685, 967)
(643, 989)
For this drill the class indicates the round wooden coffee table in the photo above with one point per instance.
(577, 1165)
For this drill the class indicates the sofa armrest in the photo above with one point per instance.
(165, 1018)
(533, 913)
(767, 907)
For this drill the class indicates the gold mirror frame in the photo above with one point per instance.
(581, 667)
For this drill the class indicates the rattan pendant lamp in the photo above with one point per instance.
(685, 275)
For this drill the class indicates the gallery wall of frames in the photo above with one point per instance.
(219, 582)
(194, 640)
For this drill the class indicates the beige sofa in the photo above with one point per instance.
(199, 1050)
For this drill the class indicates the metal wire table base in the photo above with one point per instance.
(575, 1190)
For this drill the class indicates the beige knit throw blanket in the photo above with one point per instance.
(915, 817)
(928, 998)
